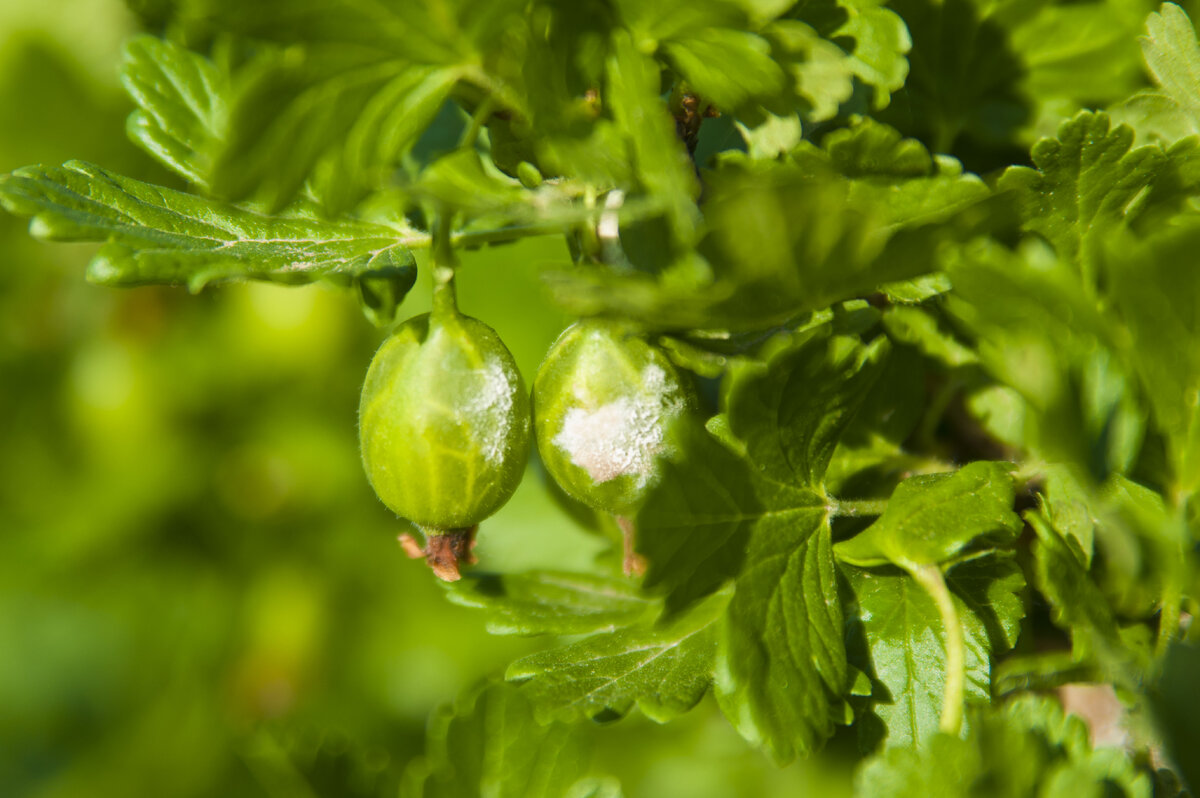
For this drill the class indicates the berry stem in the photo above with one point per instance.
(445, 302)
(632, 563)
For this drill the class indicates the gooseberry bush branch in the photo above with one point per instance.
(888, 361)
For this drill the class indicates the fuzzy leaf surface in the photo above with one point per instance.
(158, 235)
(1087, 181)
(748, 508)
(790, 410)
(182, 99)
(781, 669)
(338, 119)
(552, 602)
(665, 669)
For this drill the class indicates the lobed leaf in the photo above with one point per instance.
(748, 508)
(730, 68)
(1172, 57)
(868, 43)
(1089, 181)
(664, 670)
(340, 119)
(552, 602)
(182, 100)
(821, 72)
(696, 526)
(781, 668)
(790, 409)
(158, 235)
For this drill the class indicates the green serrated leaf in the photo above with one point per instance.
(919, 328)
(383, 282)
(664, 670)
(696, 525)
(964, 76)
(1026, 747)
(1077, 604)
(1040, 333)
(158, 235)
(730, 68)
(932, 518)
(902, 640)
(771, 136)
(651, 23)
(1172, 57)
(790, 410)
(1089, 181)
(489, 743)
(881, 42)
(552, 602)
(1156, 286)
(343, 117)
(872, 42)
(822, 72)
(871, 149)
(781, 672)
(660, 159)
(783, 238)
(182, 101)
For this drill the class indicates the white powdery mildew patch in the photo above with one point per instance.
(621, 437)
(493, 405)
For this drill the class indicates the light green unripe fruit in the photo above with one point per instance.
(444, 422)
(604, 400)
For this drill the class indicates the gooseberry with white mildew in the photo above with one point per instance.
(604, 400)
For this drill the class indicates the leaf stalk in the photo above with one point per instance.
(851, 508)
(930, 577)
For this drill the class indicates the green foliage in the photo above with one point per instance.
(905, 642)
(182, 98)
(1026, 747)
(488, 743)
(930, 519)
(927, 274)
(664, 669)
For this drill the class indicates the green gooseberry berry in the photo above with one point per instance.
(604, 400)
(444, 426)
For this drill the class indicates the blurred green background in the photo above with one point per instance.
(199, 593)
